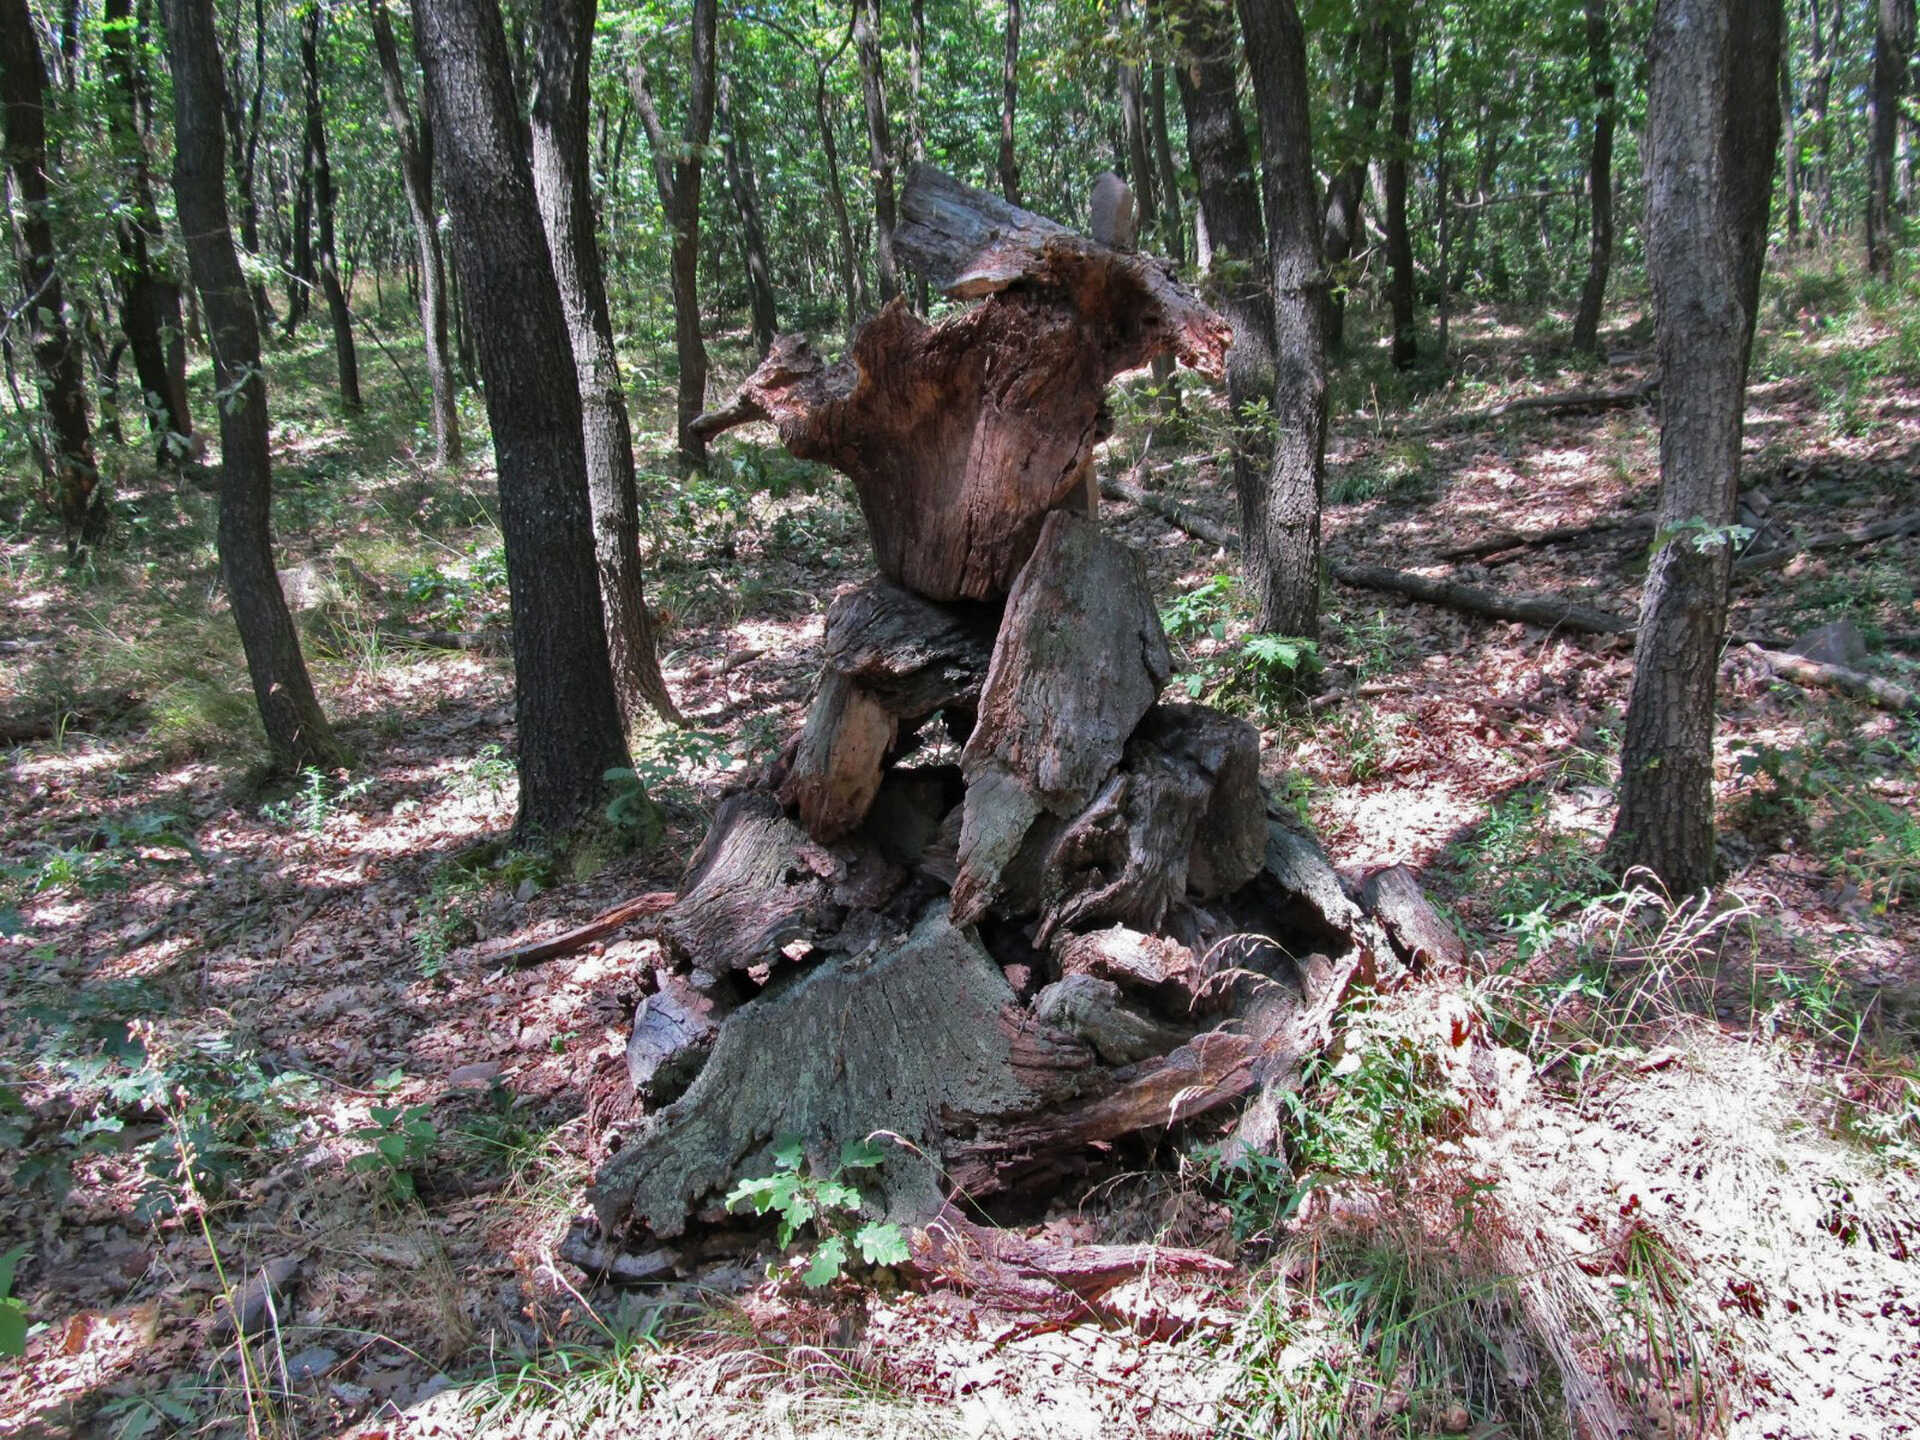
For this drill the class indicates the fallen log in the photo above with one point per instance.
(1505, 540)
(1544, 610)
(1862, 686)
(1897, 528)
(1176, 514)
(1576, 402)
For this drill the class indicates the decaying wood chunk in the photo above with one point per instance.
(753, 886)
(960, 438)
(1063, 1282)
(891, 659)
(912, 655)
(673, 1034)
(1131, 959)
(838, 764)
(1184, 811)
(1080, 660)
(851, 1046)
(970, 243)
(1120, 1034)
(1421, 936)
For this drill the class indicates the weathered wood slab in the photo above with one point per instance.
(912, 655)
(755, 884)
(842, 754)
(1184, 811)
(850, 1047)
(1120, 1033)
(1151, 964)
(674, 1031)
(1421, 936)
(1080, 660)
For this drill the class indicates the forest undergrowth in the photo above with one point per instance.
(286, 1155)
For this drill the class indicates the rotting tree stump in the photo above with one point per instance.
(1094, 924)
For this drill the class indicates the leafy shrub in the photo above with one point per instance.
(827, 1204)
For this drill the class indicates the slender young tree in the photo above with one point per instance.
(566, 711)
(1173, 229)
(416, 182)
(1009, 101)
(325, 260)
(563, 185)
(1713, 118)
(677, 168)
(873, 87)
(1406, 345)
(1892, 52)
(1287, 517)
(244, 117)
(149, 293)
(745, 189)
(297, 731)
(1586, 323)
(56, 352)
(1346, 192)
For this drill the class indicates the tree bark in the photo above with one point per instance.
(1009, 99)
(1287, 516)
(753, 239)
(1406, 345)
(563, 186)
(853, 277)
(1586, 324)
(873, 87)
(297, 731)
(1790, 146)
(566, 712)
(1173, 229)
(1892, 50)
(339, 315)
(1238, 277)
(149, 293)
(1713, 120)
(1819, 100)
(63, 395)
(416, 180)
(677, 170)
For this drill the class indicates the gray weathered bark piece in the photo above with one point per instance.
(750, 889)
(1080, 659)
(914, 1033)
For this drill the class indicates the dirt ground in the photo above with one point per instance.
(1674, 1164)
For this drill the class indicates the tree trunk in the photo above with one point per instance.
(430, 284)
(63, 394)
(753, 238)
(564, 188)
(677, 168)
(297, 731)
(243, 138)
(873, 87)
(1790, 146)
(1819, 98)
(1892, 49)
(1406, 345)
(566, 712)
(300, 283)
(1586, 324)
(1341, 231)
(1713, 120)
(346, 362)
(1173, 229)
(1287, 580)
(1009, 99)
(1238, 275)
(149, 294)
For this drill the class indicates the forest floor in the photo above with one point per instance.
(1644, 1168)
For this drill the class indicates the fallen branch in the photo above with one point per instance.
(1899, 526)
(598, 928)
(1870, 688)
(1545, 610)
(1505, 540)
(1577, 402)
(87, 712)
(1173, 512)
